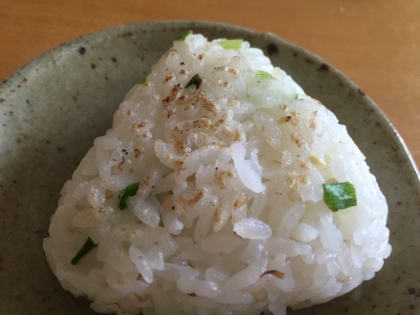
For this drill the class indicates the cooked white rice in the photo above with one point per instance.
(229, 217)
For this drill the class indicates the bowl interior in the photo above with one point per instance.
(54, 107)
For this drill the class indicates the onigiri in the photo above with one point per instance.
(221, 188)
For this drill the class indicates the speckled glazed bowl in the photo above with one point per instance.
(53, 108)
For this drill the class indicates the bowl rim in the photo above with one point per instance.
(407, 162)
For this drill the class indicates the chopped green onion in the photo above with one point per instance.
(234, 44)
(86, 248)
(130, 190)
(296, 96)
(264, 75)
(195, 80)
(338, 196)
(144, 78)
(183, 37)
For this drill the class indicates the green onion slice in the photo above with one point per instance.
(183, 37)
(264, 75)
(144, 78)
(195, 80)
(86, 248)
(130, 190)
(338, 196)
(234, 44)
(296, 96)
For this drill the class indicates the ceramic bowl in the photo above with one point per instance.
(52, 109)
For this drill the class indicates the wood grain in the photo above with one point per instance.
(376, 43)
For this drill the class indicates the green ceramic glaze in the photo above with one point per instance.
(52, 109)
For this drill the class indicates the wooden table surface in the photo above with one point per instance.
(376, 43)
